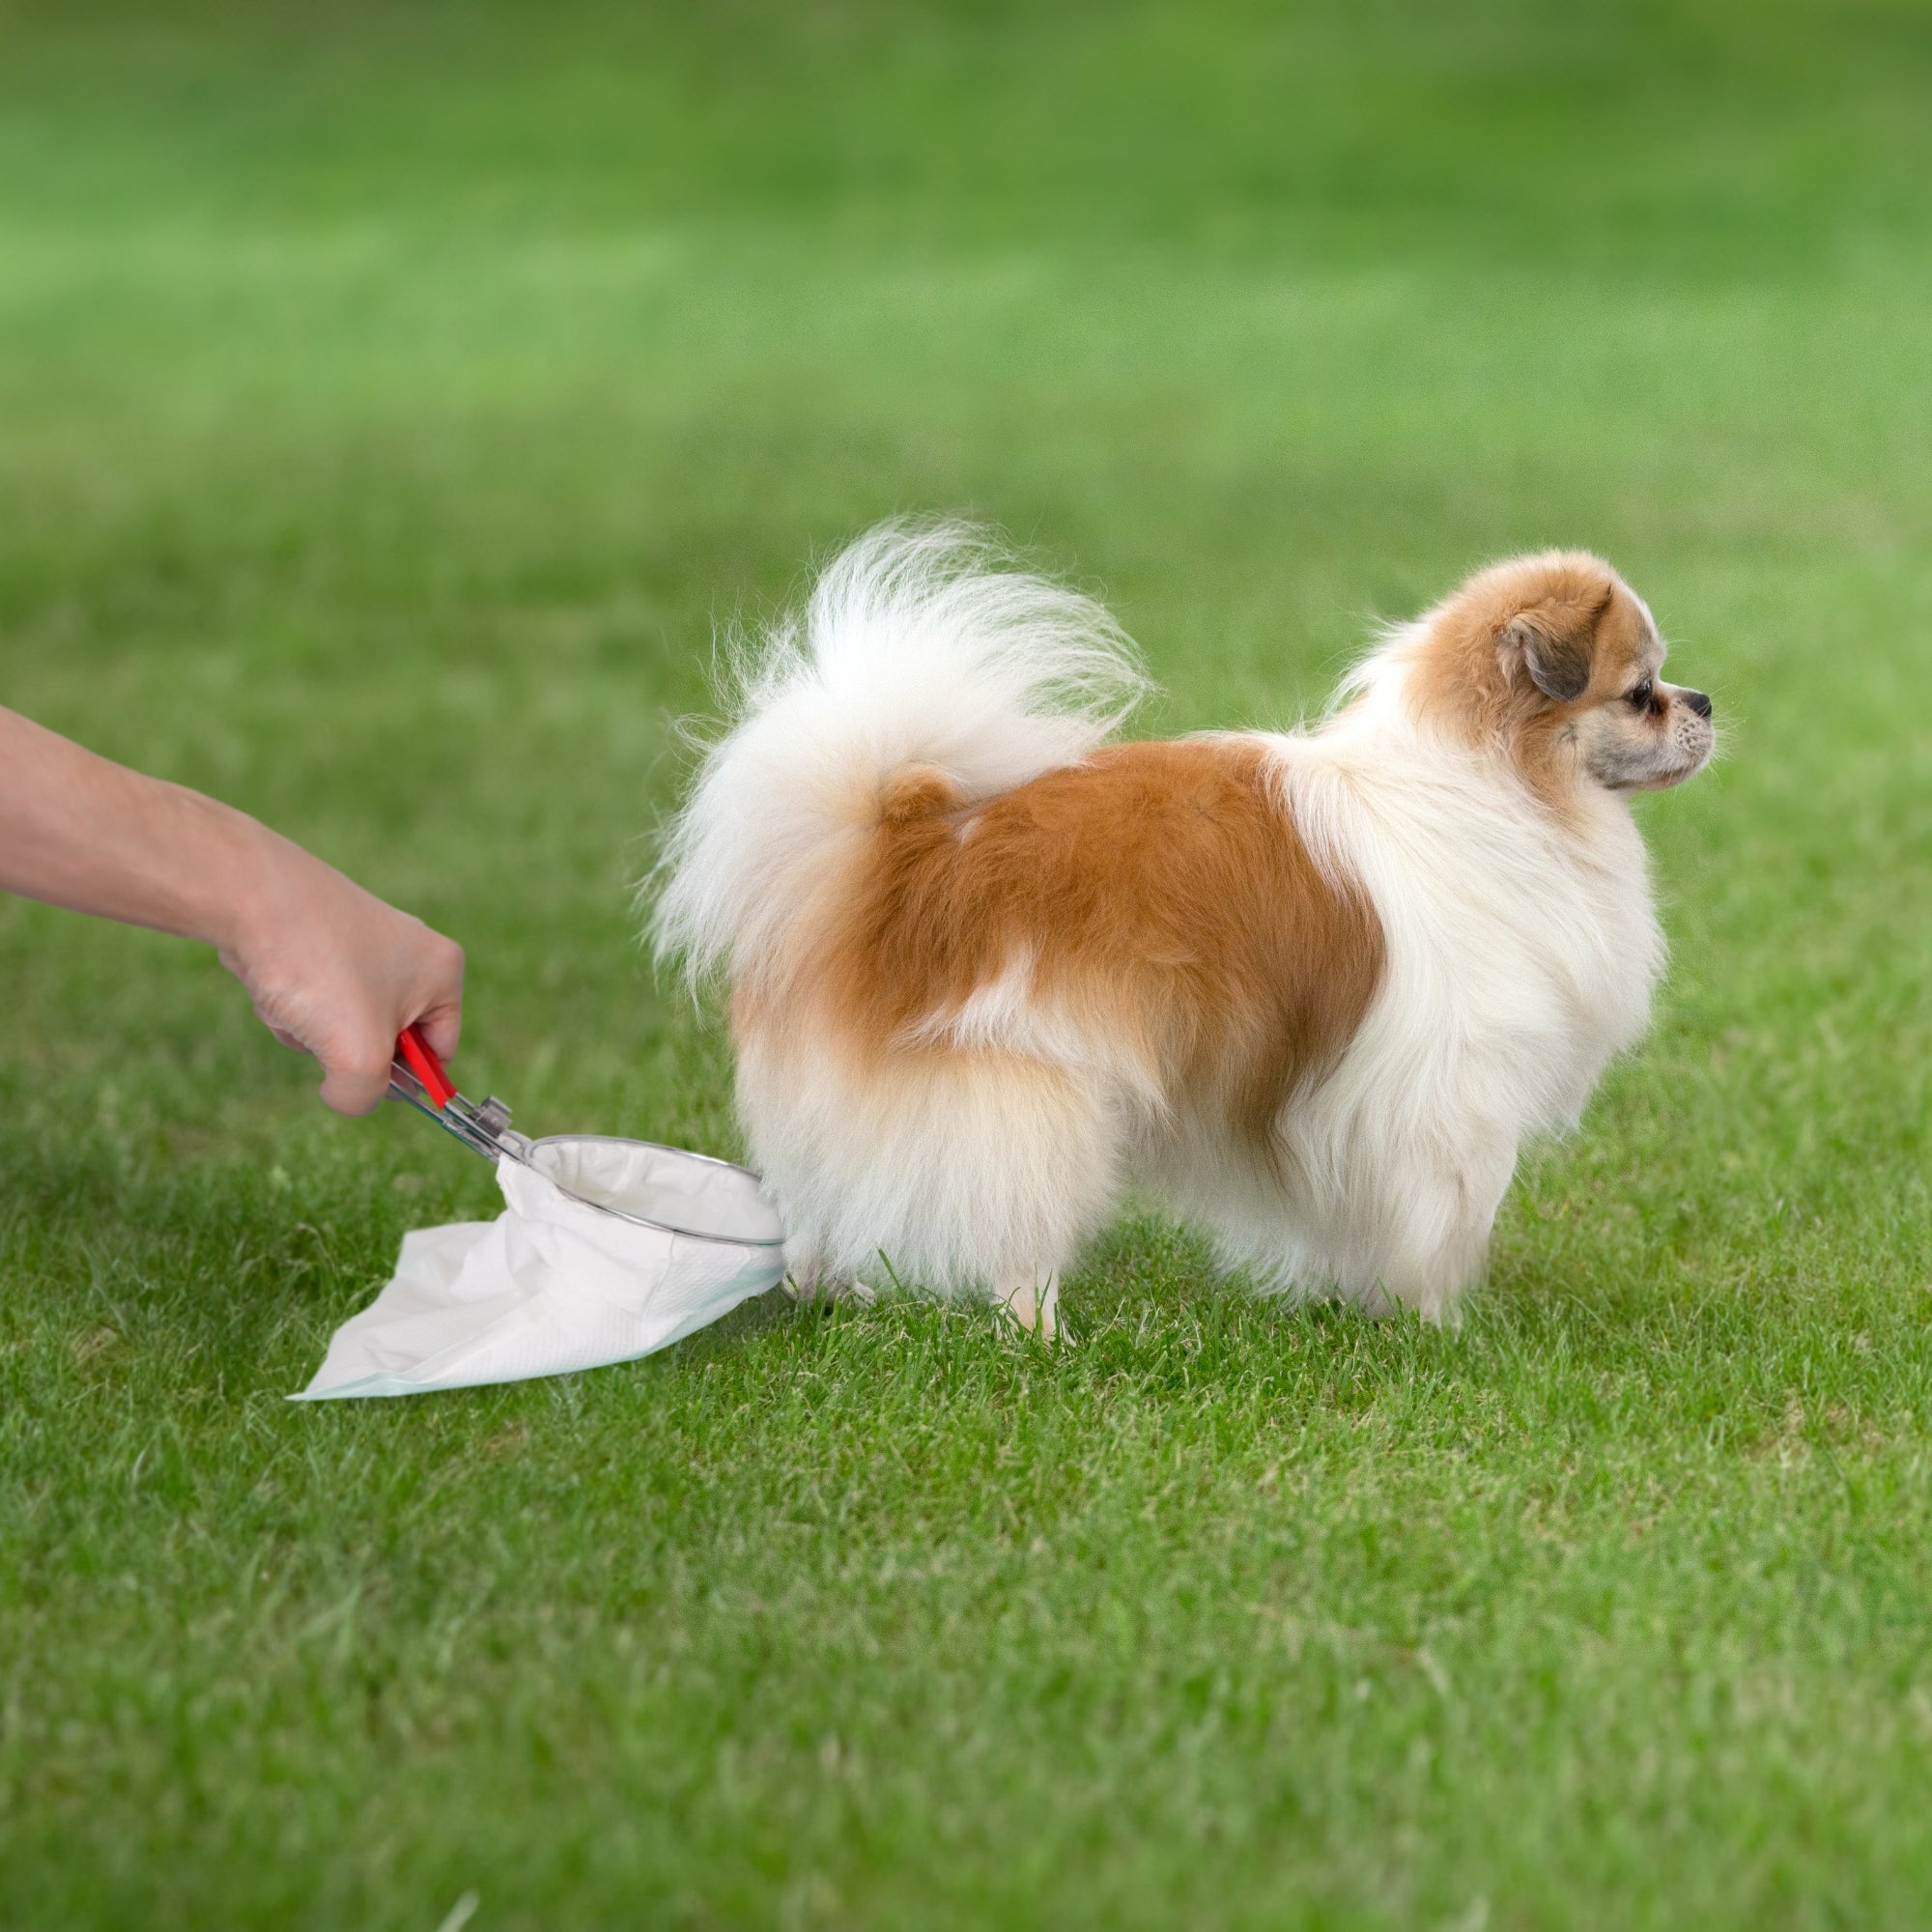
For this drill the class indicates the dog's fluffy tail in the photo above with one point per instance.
(916, 649)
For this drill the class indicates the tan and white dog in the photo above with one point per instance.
(987, 968)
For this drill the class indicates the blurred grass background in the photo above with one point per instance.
(393, 401)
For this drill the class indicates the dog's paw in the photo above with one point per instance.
(822, 1291)
(1035, 1310)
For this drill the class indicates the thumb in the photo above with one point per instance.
(441, 1025)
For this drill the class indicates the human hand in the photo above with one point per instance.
(335, 972)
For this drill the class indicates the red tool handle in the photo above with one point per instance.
(417, 1055)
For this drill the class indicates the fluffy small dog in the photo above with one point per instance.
(1315, 989)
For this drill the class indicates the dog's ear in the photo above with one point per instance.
(1552, 644)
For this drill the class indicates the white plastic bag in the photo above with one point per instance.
(555, 1284)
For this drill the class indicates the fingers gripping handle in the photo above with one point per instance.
(416, 1053)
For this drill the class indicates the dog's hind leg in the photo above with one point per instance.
(1031, 1301)
(1440, 1227)
(949, 1171)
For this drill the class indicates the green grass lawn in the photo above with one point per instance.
(393, 402)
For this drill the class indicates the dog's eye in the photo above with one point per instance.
(1639, 698)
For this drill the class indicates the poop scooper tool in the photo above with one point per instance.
(606, 1249)
(417, 1077)
(565, 1160)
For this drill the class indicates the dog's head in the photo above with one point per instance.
(1555, 661)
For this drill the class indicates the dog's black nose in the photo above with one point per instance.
(1697, 701)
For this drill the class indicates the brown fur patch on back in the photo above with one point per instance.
(1158, 894)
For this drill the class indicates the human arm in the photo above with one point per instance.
(329, 967)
